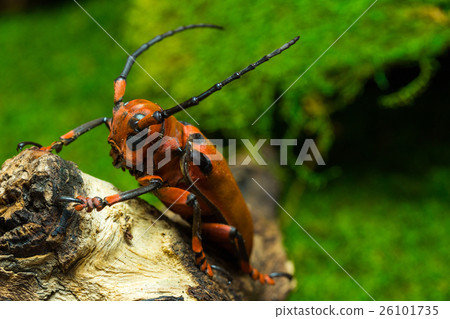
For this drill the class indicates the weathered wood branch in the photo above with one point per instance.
(94, 257)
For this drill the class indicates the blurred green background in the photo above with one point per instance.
(376, 104)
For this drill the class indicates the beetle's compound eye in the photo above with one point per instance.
(134, 121)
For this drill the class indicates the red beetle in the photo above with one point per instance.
(195, 180)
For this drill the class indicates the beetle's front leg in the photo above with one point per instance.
(69, 137)
(152, 183)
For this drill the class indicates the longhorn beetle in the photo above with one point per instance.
(203, 192)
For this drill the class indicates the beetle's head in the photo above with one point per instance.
(129, 142)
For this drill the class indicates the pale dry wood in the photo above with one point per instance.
(95, 260)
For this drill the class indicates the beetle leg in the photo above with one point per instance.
(148, 179)
(186, 205)
(177, 200)
(197, 246)
(70, 136)
(230, 236)
(91, 203)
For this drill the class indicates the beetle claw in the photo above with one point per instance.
(281, 274)
(223, 271)
(70, 199)
(21, 145)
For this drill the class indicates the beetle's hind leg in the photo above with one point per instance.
(230, 236)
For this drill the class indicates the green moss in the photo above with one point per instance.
(390, 238)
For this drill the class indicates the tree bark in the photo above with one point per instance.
(95, 258)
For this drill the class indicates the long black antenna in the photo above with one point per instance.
(216, 87)
(131, 59)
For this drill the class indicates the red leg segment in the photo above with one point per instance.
(177, 199)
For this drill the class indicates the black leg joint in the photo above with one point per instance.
(159, 116)
(120, 77)
(101, 201)
(202, 260)
(157, 183)
(233, 233)
(242, 251)
(58, 146)
(191, 200)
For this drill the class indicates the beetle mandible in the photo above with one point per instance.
(203, 192)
